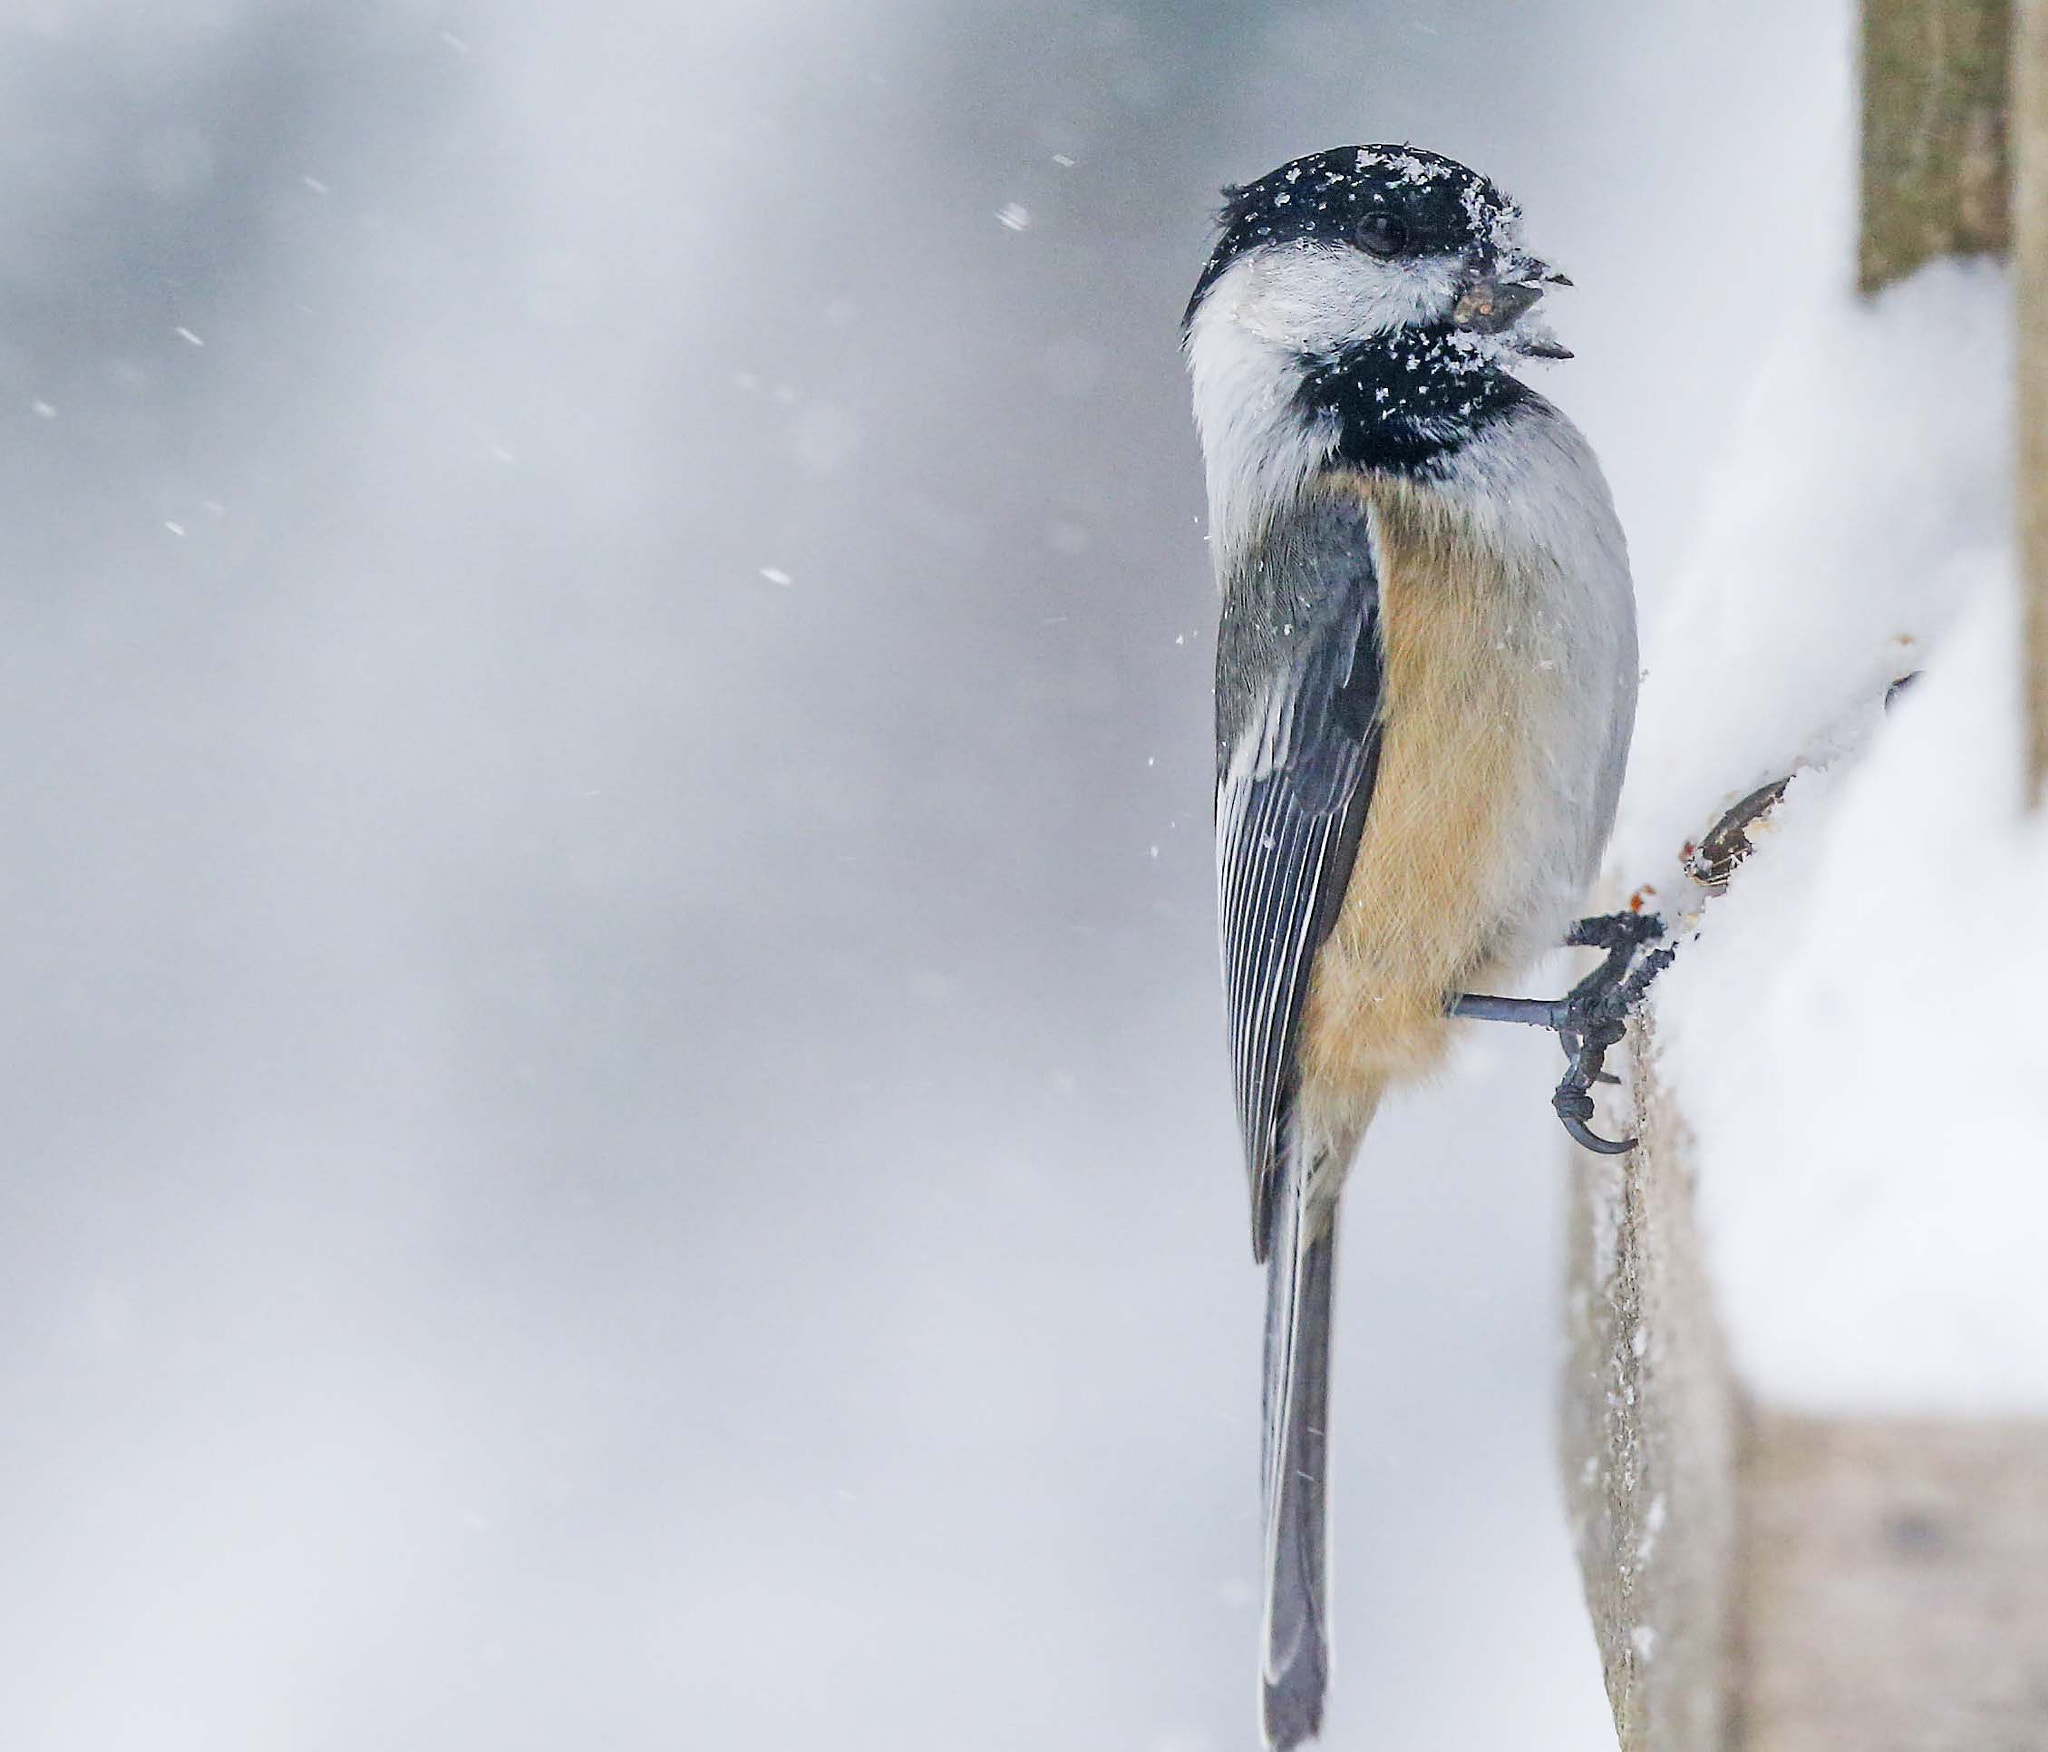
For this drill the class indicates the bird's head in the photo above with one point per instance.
(1331, 250)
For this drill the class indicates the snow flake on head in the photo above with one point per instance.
(1495, 219)
(1404, 165)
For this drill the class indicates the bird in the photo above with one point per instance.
(1426, 673)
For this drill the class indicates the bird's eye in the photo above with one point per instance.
(1383, 234)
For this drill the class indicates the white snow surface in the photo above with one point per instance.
(1850, 1031)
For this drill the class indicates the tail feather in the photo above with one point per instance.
(1301, 1269)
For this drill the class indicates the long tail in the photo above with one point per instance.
(1301, 1270)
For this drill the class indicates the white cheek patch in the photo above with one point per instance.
(1256, 448)
(1316, 298)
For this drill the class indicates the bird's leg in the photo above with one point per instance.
(1588, 1019)
(1536, 1012)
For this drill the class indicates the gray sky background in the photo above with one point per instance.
(609, 1152)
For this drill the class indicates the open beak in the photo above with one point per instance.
(1496, 302)
(1488, 306)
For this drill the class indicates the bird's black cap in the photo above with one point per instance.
(1443, 206)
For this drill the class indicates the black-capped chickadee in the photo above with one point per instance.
(1425, 687)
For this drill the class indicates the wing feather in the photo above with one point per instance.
(1298, 689)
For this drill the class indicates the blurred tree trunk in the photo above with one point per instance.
(1955, 162)
(2030, 271)
(1934, 133)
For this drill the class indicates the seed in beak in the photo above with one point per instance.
(1488, 306)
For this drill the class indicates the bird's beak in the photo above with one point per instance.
(1488, 306)
(1494, 302)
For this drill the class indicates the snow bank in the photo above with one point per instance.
(1867, 483)
(1851, 1032)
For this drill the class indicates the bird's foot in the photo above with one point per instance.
(1615, 930)
(1596, 1015)
(1591, 1017)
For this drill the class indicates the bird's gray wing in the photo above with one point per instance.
(1298, 694)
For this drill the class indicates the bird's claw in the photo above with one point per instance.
(1585, 1049)
(1587, 1139)
(1592, 1017)
(1595, 1015)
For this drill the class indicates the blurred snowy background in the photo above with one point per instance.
(616, 1122)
